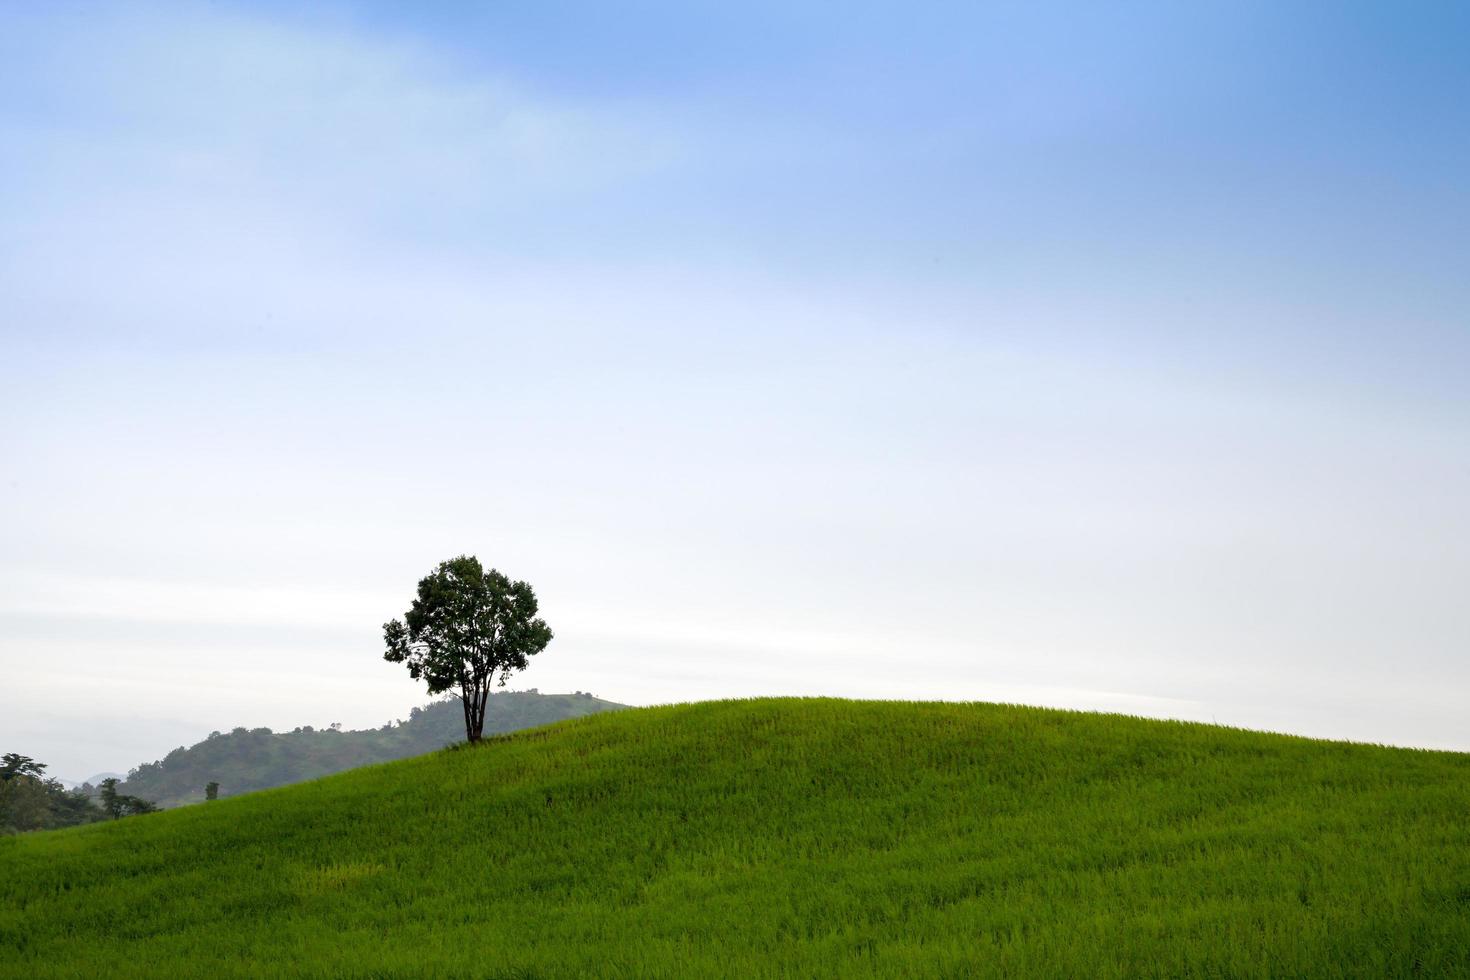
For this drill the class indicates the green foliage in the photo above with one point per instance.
(30, 801)
(13, 765)
(211, 790)
(809, 838)
(117, 805)
(246, 760)
(466, 628)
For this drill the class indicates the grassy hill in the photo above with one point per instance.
(786, 837)
(250, 759)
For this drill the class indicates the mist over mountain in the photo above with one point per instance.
(93, 780)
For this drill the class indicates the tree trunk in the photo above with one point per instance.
(475, 714)
(469, 729)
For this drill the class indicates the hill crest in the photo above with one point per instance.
(787, 837)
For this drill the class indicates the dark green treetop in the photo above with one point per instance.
(468, 630)
(13, 764)
(116, 804)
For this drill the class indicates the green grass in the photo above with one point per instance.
(786, 838)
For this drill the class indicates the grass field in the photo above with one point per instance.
(785, 838)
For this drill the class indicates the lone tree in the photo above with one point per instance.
(467, 626)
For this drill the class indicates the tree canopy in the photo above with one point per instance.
(116, 804)
(467, 630)
(14, 765)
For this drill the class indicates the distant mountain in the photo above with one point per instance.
(93, 781)
(248, 759)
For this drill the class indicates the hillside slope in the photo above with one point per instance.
(246, 760)
(786, 837)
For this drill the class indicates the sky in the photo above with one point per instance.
(1098, 356)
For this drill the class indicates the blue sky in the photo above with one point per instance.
(1107, 358)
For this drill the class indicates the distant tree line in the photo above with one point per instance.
(31, 800)
(248, 759)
